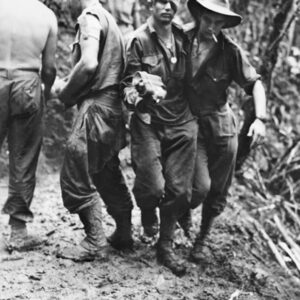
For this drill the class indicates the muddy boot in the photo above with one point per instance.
(165, 253)
(19, 238)
(149, 222)
(121, 239)
(94, 243)
(185, 223)
(197, 254)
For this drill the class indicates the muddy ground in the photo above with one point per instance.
(238, 264)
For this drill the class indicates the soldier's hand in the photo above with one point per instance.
(257, 131)
(132, 96)
(149, 85)
(58, 86)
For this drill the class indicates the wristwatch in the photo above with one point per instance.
(262, 119)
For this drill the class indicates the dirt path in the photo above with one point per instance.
(236, 267)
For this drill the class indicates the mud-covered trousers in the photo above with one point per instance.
(163, 158)
(216, 155)
(91, 164)
(21, 111)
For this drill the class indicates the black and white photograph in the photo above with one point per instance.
(150, 149)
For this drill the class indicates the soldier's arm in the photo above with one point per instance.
(133, 65)
(246, 76)
(48, 71)
(85, 68)
(257, 129)
(260, 102)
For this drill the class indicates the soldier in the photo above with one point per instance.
(91, 164)
(28, 34)
(163, 130)
(126, 13)
(214, 62)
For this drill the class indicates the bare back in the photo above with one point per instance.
(25, 28)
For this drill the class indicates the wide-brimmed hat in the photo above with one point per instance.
(221, 7)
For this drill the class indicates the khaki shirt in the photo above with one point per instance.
(146, 53)
(111, 56)
(226, 62)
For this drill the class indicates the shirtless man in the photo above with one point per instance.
(28, 33)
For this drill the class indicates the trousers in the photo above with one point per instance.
(215, 162)
(21, 112)
(91, 165)
(163, 159)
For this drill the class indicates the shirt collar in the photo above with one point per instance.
(151, 27)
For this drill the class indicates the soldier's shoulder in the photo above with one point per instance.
(140, 35)
(46, 13)
(141, 32)
(189, 27)
(230, 43)
(177, 29)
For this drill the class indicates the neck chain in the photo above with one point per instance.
(170, 45)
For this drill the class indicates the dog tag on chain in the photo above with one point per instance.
(173, 60)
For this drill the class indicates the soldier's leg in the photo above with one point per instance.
(179, 152)
(149, 182)
(201, 180)
(78, 189)
(221, 162)
(222, 152)
(201, 185)
(79, 192)
(24, 143)
(4, 104)
(111, 185)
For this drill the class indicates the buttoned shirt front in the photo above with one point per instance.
(226, 62)
(147, 53)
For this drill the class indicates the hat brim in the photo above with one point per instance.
(233, 19)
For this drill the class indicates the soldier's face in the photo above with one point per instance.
(211, 23)
(163, 11)
(75, 8)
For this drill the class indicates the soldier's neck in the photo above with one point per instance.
(163, 30)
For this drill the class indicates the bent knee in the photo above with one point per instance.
(148, 197)
(199, 194)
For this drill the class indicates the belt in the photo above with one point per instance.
(9, 73)
(214, 110)
(105, 97)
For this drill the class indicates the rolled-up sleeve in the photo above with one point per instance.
(134, 61)
(244, 74)
(90, 27)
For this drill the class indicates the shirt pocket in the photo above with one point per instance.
(217, 77)
(153, 64)
(223, 124)
(26, 97)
